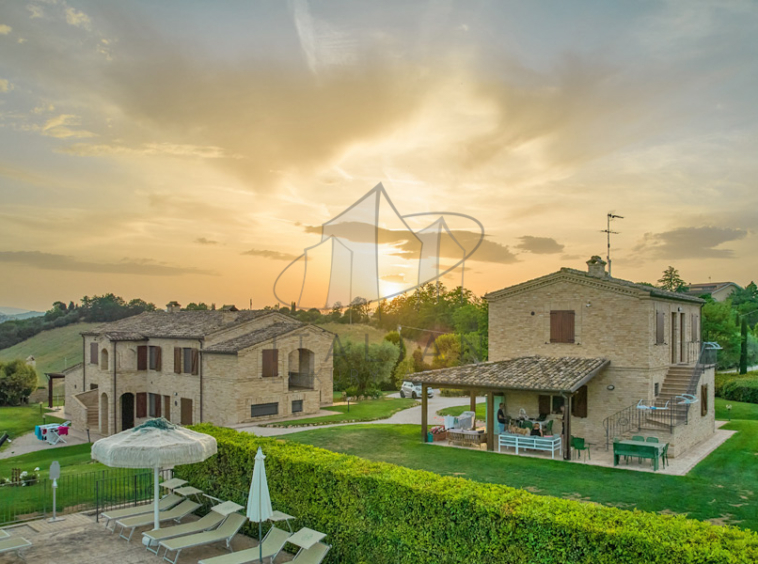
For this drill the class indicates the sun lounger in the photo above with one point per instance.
(313, 555)
(206, 523)
(167, 502)
(225, 532)
(177, 513)
(273, 543)
(14, 544)
(3, 534)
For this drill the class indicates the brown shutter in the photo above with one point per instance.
(158, 361)
(167, 407)
(178, 360)
(195, 361)
(660, 321)
(579, 403)
(93, 353)
(544, 404)
(142, 358)
(695, 328)
(562, 326)
(186, 413)
(270, 363)
(157, 404)
(141, 404)
(704, 400)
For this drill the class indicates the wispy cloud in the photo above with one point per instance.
(78, 19)
(5, 86)
(50, 261)
(204, 241)
(539, 245)
(274, 255)
(35, 11)
(148, 149)
(5, 29)
(61, 127)
(690, 242)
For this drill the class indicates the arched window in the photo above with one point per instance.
(104, 359)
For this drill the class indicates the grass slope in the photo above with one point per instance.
(54, 349)
(456, 410)
(722, 488)
(740, 410)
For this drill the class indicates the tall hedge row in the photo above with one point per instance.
(736, 387)
(379, 513)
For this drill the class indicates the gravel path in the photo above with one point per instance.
(410, 416)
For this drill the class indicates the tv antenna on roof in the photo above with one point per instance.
(608, 232)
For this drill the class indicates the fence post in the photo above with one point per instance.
(97, 501)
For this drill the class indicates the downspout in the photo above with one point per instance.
(200, 362)
(567, 425)
(115, 409)
(84, 364)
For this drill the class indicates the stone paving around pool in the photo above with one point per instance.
(78, 539)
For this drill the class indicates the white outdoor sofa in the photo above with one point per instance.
(524, 442)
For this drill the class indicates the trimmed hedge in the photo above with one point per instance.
(379, 513)
(737, 387)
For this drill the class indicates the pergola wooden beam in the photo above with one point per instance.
(424, 409)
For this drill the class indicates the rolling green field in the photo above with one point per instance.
(721, 489)
(53, 350)
(366, 410)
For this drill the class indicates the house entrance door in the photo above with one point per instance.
(186, 411)
(127, 411)
(672, 340)
(683, 346)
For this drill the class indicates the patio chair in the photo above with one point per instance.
(167, 502)
(665, 455)
(313, 555)
(652, 440)
(528, 425)
(203, 524)
(638, 438)
(549, 427)
(577, 443)
(273, 543)
(176, 513)
(225, 532)
(14, 544)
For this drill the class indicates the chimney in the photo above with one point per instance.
(228, 314)
(596, 267)
(173, 306)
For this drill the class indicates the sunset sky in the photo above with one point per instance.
(189, 151)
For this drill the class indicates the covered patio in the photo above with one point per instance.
(545, 385)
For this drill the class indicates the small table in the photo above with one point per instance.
(279, 516)
(306, 538)
(187, 491)
(226, 508)
(173, 483)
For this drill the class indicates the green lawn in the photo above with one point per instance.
(740, 410)
(722, 488)
(17, 421)
(456, 410)
(73, 460)
(367, 410)
(53, 350)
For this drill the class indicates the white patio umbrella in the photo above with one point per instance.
(259, 501)
(155, 444)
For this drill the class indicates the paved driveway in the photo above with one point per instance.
(407, 416)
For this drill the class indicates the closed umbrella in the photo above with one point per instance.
(156, 444)
(259, 501)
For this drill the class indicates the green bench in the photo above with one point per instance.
(637, 449)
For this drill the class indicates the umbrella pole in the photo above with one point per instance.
(156, 524)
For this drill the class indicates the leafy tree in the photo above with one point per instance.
(671, 281)
(202, 306)
(403, 370)
(396, 339)
(17, 381)
(720, 325)
(743, 347)
(356, 365)
(447, 351)
(418, 361)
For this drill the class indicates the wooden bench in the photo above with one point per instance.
(549, 444)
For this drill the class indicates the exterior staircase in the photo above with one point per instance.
(677, 382)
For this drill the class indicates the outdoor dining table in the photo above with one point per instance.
(641, 449)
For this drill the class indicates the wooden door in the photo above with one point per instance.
(683, 344)
(167, 407)
(186, 411)
(673, 338)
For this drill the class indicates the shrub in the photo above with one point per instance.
(381, 513)
(454, 393)
(737, 387)
(17, 381)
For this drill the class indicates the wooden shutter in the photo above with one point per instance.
(562, 326)
(195, 361)
(695, 328)
(167, 407)
(704, 400)
(142, 359)
(660, 321)
(579, 403)
(178, 360)
(271, 363)
(186, 417)
(93, 353)
(142, 404)
(158, 361)
(157, 404)
(544, 404)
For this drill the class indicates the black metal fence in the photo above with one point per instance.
(29, 497)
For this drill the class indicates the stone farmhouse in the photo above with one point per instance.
(224, 367)
(590, 349)
(719, 291)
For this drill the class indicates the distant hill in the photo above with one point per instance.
(53, 350)
(19, 313)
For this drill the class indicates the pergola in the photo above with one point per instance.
(545, 375)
